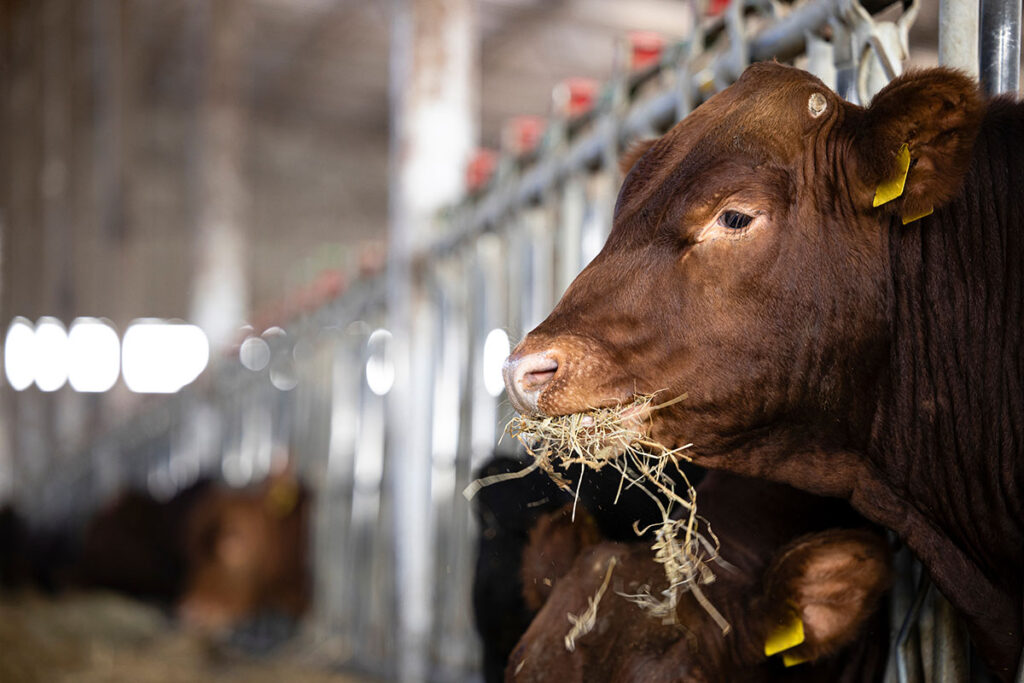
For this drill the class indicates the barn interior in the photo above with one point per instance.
(261, 262)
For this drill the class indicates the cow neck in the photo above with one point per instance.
(949, 432)
(772, 515)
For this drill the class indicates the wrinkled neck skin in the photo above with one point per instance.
(947, 437)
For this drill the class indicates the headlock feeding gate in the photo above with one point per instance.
(388, 460)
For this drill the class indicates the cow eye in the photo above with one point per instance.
(734, 220)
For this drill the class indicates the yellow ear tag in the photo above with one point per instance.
(784, 637)
(792, 660)
(891, 189)
(282, 498)
(911, 219)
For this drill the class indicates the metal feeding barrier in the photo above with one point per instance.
(502, 258)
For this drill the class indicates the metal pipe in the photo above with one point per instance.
(785, 39)
(781, 40)
(999, 52)
(958, 35)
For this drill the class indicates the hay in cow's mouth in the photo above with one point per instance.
(684, 543)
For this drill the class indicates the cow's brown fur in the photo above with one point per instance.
(833, 578)
(555, 542)
(827, 345)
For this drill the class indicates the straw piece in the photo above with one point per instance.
(616, 436)
(584, 623)
(474, 487)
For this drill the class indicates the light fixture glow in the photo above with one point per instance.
(162, 357)
(380, 370)
(496, 349)
(20, 354)
(94, 355)
(51, 366)
(254, 353)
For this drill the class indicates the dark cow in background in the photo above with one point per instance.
(789, 551)
(505, 513)
(40, 559)
(848, 349)
(219, 557)
(135, 545)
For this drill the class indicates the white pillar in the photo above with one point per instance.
(219, 290)
(433, 131)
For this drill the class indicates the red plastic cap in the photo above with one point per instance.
(646, 48)
(328, 285)
(575, 96)
(480, 169)
(522, 134)
(716, 7)
(373, 258)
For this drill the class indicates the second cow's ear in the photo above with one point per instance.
(555, 541)
(913, 143)
(633, 153)
(821, 589)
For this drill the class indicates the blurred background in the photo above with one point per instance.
(260, 263)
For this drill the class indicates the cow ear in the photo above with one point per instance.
(914, 142)
(821, 589)
(633, 153)
(555, 542)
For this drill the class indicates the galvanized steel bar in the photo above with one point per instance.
(785, 39)
(782, 40)
(1000, 46)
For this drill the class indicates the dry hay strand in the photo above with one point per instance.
(684, 544)
(584, 623)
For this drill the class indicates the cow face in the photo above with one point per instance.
(246, 555)
(747, 267)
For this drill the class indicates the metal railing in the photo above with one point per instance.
(500, 263)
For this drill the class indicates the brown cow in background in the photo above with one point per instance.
(247, 554)
(848, 349)
(220, 557)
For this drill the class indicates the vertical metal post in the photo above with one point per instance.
(958, 35)
(539, 234)
(999, 40)
(570, 232)
(433, 133)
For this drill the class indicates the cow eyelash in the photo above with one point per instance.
(734, 220)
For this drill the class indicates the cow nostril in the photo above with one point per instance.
(539, 373)
(526, 376)
(537, 379)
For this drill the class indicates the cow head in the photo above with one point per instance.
(246, 555)
(824, 586)
(747, 268)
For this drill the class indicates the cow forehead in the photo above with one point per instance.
(764, 115)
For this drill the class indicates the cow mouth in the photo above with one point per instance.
(595, 436)
(619, 436)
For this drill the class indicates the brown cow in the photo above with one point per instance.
(246, 554)
(820, 341)
(832, 579)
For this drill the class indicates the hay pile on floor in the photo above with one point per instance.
(684, 542)
(100, 637)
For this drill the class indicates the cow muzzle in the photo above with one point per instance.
(526, 376)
